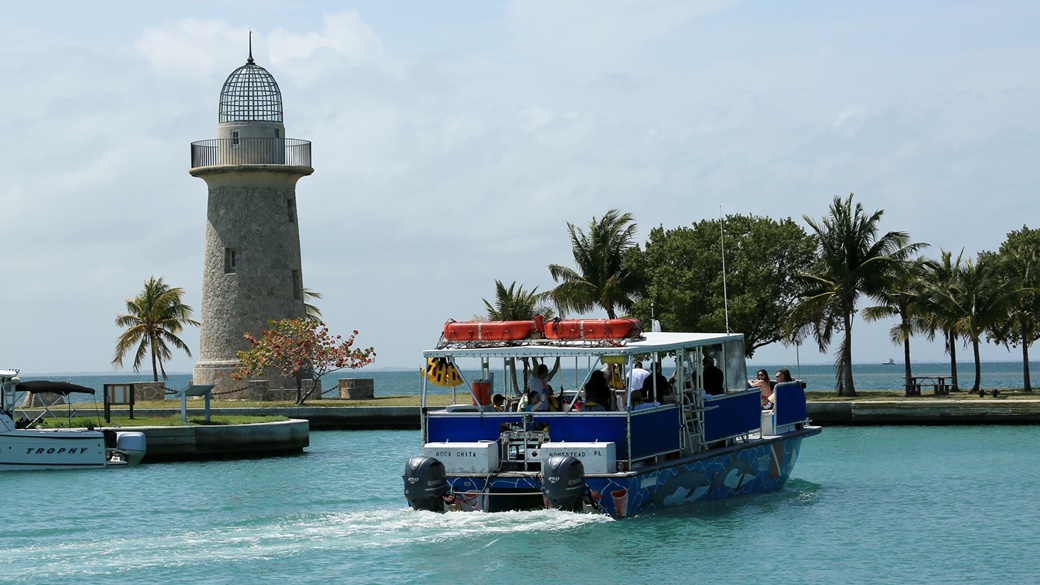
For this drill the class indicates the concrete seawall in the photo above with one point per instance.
(320, 417)
(936, 412)
(225, 441)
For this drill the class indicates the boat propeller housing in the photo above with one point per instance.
(425, 484)
(563, 482)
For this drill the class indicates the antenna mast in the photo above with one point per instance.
(725, 297)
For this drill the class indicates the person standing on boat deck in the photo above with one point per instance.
(714, 383)
(533, 368)
(539, 382)
(635, 380)
(542, 374)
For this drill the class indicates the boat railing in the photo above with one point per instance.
(732, 415)
(789, 410)
(636, 435)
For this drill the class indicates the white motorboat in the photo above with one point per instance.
(26, 444)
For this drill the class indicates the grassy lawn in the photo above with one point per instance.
(193, 403)
(175, 421)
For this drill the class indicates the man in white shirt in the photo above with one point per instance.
(635, 380)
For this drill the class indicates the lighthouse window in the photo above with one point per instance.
(291, 209)
(234, 138)
(277, 133)
(297, 285)
(230, 260)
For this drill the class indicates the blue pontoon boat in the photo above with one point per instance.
(690, 447)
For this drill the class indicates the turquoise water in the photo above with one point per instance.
(864, 505)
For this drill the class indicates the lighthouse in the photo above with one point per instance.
(251, 273)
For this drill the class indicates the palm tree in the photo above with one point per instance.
(601, 278)
(153, 319)
(985, 299)
(515, 303)
(853, 260)
(938, 309)
(901, 298)
(311, 312)
(1021, 262)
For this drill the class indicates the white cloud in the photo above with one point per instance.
(601, 30)
(196, 49)
(850, 119)
(344, 42)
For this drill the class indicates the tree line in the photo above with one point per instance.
(784, 284)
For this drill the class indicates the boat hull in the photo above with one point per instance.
(759, 466)
(29, 449)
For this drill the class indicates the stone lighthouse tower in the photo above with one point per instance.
(252, 272)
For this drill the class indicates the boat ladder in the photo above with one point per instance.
(694, 427)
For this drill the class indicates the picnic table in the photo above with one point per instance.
(938, 383)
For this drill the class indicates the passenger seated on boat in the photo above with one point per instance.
(535, 403)
(764, 385)
(597, 392)
(783, 376)
(521, 405)
(663, 387)
(552, 401)
(639, 403)
(714, 382)
(498, 401)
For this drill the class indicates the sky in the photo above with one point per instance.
(453, 142)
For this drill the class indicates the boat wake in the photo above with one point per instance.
(395, 527)
(355, 534)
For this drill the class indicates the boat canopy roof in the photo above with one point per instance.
(65, 388)
(650, 342)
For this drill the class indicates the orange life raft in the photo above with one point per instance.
(489, 331)
(592, 329)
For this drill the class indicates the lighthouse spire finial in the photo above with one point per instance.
(250, 60)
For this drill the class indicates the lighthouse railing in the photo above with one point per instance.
(251, 151)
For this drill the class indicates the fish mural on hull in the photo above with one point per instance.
(736, 475)
(685, 487)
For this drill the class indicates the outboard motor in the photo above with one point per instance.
(131, 445)
(425, 484)
(563, 482)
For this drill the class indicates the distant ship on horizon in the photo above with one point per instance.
(890, 362)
